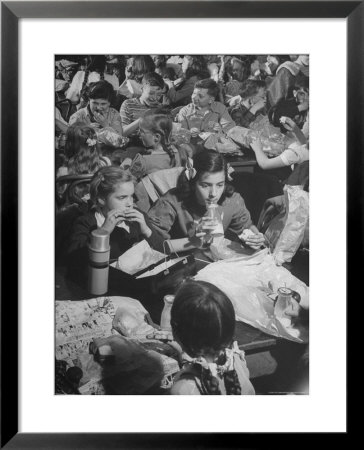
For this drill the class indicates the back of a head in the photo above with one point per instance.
(158, 120)
(250, 88)
(198, 67)
(153, 79)
(97, 63)
(79, 135)
(141, 65)
(210, 85)
(202, 318)
(101, 90)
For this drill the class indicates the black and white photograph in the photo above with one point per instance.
(182, 224)
(166, 237)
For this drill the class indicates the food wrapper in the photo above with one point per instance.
(139, 257)
(250, 283)
(222, 248)
(130, 319)
(110, 137)
(273, 141)
(180, 135)
(295, 221)
(222, 143)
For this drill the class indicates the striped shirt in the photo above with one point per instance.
(131, 110)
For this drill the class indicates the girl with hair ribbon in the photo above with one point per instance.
(178, 214)
(203, 324)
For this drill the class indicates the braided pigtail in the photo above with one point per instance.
(168, 148)
(232, 383)
(210, 384)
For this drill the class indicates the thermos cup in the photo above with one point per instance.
(98, 265)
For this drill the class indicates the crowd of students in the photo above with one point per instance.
(122, 118)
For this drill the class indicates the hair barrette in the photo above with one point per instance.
(91, 142)
(229, 170)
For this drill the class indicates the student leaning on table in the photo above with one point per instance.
(177, 213)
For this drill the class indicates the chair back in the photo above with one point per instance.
(152, 186)
(71, 189)
(65, 107)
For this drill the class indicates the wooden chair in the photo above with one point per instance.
(66, 108)
(70, 189)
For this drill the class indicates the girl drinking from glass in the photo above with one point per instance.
(177, 214)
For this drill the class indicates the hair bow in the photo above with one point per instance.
(91, 142)
(229, 170)
(190, 170)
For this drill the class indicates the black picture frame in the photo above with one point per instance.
(11, 12)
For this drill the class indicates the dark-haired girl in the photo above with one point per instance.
(98, 113)
(177, 213)
(155, 132)
(203, 323)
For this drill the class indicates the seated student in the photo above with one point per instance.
(136, 68)
(98, 114)
(295, 107)
(112, 209)
(287, 72)
(204, 113)
(81, 151)
(155, 129)
(238, 71)
(194, 68)
(252, 100)
(296, 153)
(161, 66)
(203, 323)
(132, 109)
(177, 214)
(94, 71)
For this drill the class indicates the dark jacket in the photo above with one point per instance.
(120, 242)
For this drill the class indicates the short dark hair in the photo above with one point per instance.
(202, 318)
(210, 85)
(101, 89)
(153, 79)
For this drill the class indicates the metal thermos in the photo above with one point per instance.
(98, 262)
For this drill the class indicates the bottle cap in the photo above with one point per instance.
(100, 240)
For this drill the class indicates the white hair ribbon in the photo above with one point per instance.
(91, 142)
(230, 170)
(190, 170)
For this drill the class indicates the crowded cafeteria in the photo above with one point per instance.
(181, 224)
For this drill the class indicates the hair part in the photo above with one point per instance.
(202, 318)
(206, 161)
